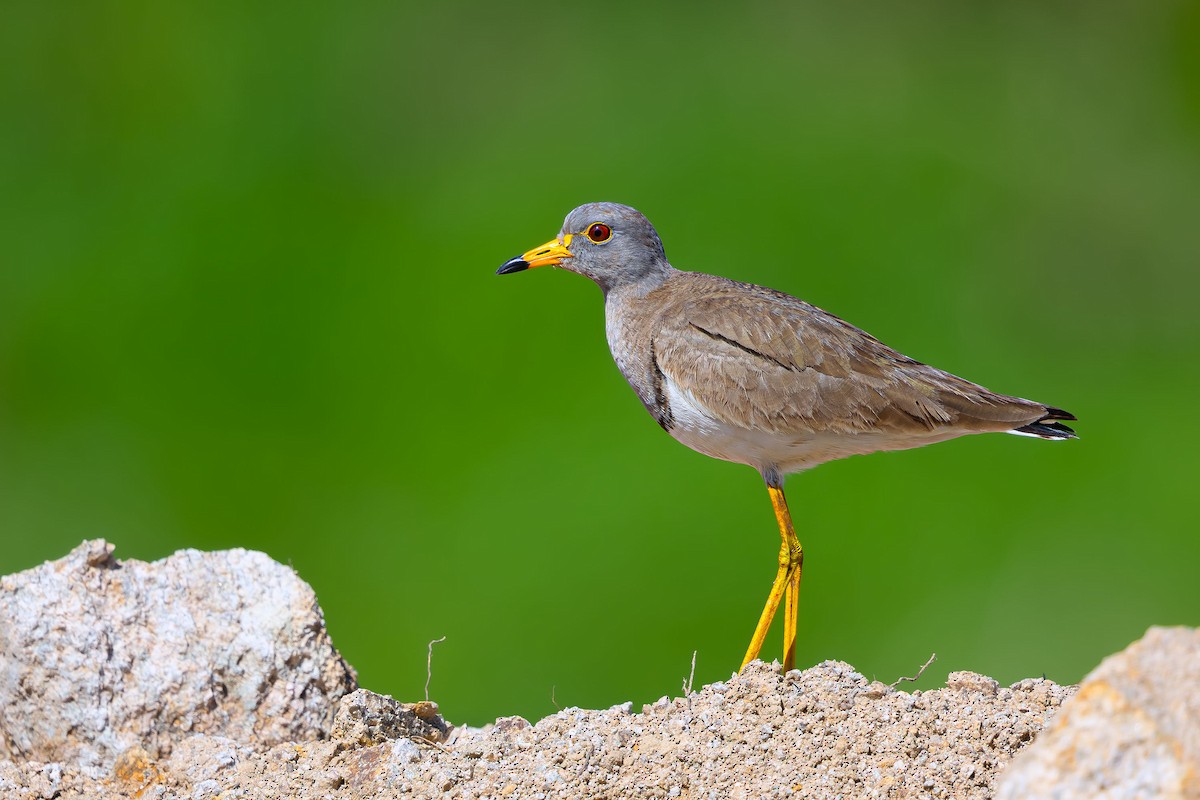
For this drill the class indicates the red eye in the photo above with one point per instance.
(598, 232)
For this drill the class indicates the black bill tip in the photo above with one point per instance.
(513, 265)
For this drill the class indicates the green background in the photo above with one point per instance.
(247, 300)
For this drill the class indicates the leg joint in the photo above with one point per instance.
(791, 554)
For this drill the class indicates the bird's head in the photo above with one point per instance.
(612, 244)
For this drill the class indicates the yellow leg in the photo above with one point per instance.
(786, 585)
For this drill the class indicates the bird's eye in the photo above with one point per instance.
(599, 233)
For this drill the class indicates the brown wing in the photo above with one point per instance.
(807, 370)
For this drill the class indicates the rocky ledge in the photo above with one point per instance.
(210, 675)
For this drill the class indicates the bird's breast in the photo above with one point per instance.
(632, 349)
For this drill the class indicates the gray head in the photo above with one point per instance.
(612, 244)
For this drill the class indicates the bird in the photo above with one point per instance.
(755, 376)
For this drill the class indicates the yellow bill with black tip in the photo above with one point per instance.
(550, 254)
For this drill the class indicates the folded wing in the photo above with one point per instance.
(810, 371)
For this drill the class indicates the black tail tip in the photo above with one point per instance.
(1048, 426)
(1057, 413)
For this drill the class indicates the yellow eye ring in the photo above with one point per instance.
(599, 233)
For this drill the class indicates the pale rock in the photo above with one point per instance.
(1132, 730)
(98, 656)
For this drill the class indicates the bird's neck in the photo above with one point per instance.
(638, 286)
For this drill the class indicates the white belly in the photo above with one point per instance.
(789, 451)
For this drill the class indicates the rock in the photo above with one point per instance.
(817, 733)
(824, 732)
(364, 718)
(1132, 731)
(100, 657)
(211, 675)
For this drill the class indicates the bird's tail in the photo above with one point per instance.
(1048, 427)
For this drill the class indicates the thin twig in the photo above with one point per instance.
(421, 741)
(429, 666)
(920, 672)
(687, 685)
(552, 700)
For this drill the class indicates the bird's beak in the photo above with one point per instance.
(551, 253)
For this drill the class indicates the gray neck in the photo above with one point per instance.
(639, 284)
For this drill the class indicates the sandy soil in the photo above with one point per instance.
(825, 732)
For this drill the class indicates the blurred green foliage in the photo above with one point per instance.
(247, 300)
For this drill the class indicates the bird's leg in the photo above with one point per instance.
(787, 584)
(795, 567)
